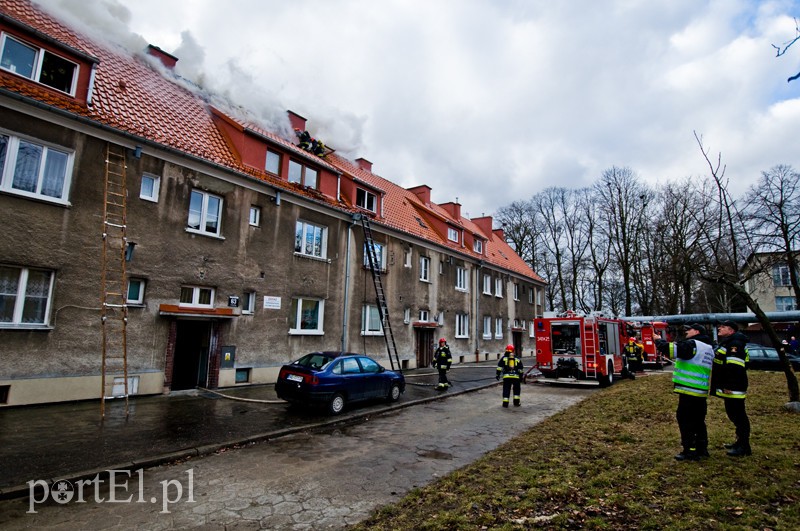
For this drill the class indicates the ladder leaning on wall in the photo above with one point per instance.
(113, 308)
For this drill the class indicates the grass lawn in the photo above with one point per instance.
(607, 463)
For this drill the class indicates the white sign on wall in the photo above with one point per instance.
(272, 303)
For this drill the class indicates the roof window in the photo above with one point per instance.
(38, 64)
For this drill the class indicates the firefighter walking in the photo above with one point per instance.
(442, 359)
(510, 368)
(633, 352)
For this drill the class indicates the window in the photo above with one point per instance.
(255, 216)
(307, 316)
(498, 287)
(530, 296)
(249, 303)
(135, 293)
(25, 296)
(34, 170)
(477, 246)
(440, 318)
(366, 200)
(516, 291)
(407, 315)
(149, 189)
(310, 239)
(462, 325)
(302, 174)
(531, 331)
(407, 258)
(197, 296)
(205, 211)
(452, 234)
(487, 284)
(242, 375)
(371, 321)
(462, 280)
(785, 304)
(487, 327)
(424, 268)
(780, 275)
(424, 315)
(498, 328)
(380, 256)
(39, 65)
(273, 164)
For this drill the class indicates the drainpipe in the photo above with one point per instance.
(478, 318)
(346, 302)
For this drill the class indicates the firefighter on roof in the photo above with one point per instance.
(442, 361)
(633, 357)
(510, 368)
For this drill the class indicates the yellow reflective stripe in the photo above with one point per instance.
(732, 394)
(736, 361)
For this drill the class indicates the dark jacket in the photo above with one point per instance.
(730, 365)
(442, 358)
(509, 367)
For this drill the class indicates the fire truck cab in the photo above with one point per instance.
(573, 347)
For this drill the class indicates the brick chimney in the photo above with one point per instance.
(297, 121)
(484, 223)
(168, 60)
(422, 191)
(364, 164)
(454, 209)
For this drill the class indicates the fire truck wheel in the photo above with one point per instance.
(608, 379)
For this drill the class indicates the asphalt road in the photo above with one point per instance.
(318, 479)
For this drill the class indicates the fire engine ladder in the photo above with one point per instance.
(114, 310)
(380, 295)
(590, 348)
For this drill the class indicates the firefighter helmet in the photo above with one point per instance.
(509, 348)
(442, 340)
(631, 339)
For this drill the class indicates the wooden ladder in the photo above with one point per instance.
(114, 286)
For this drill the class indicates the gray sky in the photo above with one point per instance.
(491, 101)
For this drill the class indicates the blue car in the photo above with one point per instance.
(335, 379)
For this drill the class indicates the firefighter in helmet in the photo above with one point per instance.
(442, 361)
(633, 357)
(510, 368)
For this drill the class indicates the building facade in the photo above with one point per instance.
(245, 249)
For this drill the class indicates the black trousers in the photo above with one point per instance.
(735, 409)
(691, 417)
(443, 376)
(508, 383)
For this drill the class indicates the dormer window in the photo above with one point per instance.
(273, 164)
(366, 200)
(477, 246)
(39, 65)
(452, 234)
(302, 174)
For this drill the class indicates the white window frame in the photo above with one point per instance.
(249, 303)
(462, 325)
(452, 234)
(319, 234)
(498, 288)
(205, 216)
(380, 251)
(138, 301)
(462, 279)
(297, 318)
(440, 318)
(370, 313)
(40, 55)
(531, 330)
(366, 200)
(498, 328)
(21, 298)
(407, 315)
(487, 327)
(516, 291)
(272, 162)
(785, 304)
(255, 216)
(152, 195)
(424, 316)
(781, 276)
(407, 256)
(8, 170)
(425, 268)
(487, 284)
(305, 176)
(477, 246)
(530, 295)
(197, 292)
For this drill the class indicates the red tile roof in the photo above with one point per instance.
(133, 97)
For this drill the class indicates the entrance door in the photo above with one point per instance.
(424, 346)
(190, 368)
(516, 340)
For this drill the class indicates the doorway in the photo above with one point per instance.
(424, 346)
(516, 340)
(192, 343)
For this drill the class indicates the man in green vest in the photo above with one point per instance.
(691, 379)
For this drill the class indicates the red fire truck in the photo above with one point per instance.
(574, 347)
(646, 332)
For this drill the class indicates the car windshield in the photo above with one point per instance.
(315, 360)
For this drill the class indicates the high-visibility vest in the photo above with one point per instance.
(693, 376)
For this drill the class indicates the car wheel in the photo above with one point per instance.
(336, 405)
(394, 393)
(607, 380)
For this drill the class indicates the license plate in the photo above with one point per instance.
(294, 378)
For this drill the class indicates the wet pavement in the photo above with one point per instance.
(313, 473)
(70, 441)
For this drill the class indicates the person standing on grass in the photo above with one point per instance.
(510, 368)
(442, 359)
(729, 381)
(691, 378)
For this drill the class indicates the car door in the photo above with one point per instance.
(373, 378)
(353, 379)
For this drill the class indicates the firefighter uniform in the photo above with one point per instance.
(510, 368)
(729, 382)
(691, 379)
(442, 359)
(633, 353)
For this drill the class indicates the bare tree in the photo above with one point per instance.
(547, 205)
(520, 229)
(783, 48)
